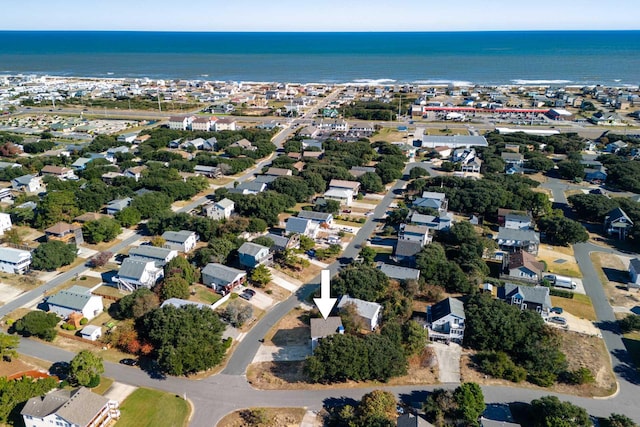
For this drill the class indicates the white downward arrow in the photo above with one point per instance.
(325, 303)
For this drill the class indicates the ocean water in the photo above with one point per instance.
(571, 57)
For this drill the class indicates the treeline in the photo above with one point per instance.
(594, 208)
(622, 173)
(370, 110)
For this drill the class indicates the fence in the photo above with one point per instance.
(108, 297)
(220, 301)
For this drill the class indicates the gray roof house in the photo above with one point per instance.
(445, 320)
(527, 297)
(511, 240)
(280, 243)
(407, 249)
(115, 206)
(76, 299)
(152, 253)
(77, 408)
(183, 240)
(319, 217)
(618, 223)
(411, 420)
(634, 273)
(136, 272)
(249, 187)
(178, 303)
(369, 312)
(321, 328)
(443, 221)
(221, 277)
(251, 255)
(431, 199)
(399, 273)
(303, 226)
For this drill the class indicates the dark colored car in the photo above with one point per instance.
(557, 310)
(250, 292)
(129, 362)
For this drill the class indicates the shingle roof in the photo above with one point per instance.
(133, 267)
(366, 309)
(341, 183)
(225, 203)
(519, 235)
(251, 249)
(70, 299)
(177, 302)
(82, 407)
(399, 273)
(278, 241)
(41, 406)
(221, 272)
(24, 179)
(445, 307)
(535, 294)
(616, 214)
(525, 259)
(297, 225)
(150, 252)
(315, 216)
(321, 328)
(407, 248)
(13, 255)
(177, 236)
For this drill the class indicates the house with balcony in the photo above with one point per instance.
(446, 320)
(70, 408)
(319, 217)
(180, 122)
(415, 233)
(342, 196)
(14, 261)
(183, 241)
(67, 233)
(618, 224)
(28, 184)
(510, 240)
(219, 210)
(252, 255)
(302, 226)
(341, 184)
(521, 266)
(535, 298)
(59, 172)
(115, 206)
(160, 256)
(222, 278)
(5, 223)
(137, 273)
(433, 200)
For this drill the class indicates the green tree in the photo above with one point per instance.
(186, 339)
(257, 225)
(560, 230)
(150, 204)
(539, 163)
(570, 169)
(174, 287)
(618, 420)
(470, 402)
(220, 249)
(414, 337)
(8, 346)
(14, 393)
(261, 275)
(128, 217)
(371, 183)
(53, 254)
(361, 281)
(39, 324)
(237, 313)
(57, 206)
(306, 243)
(181, 267)
(368, 254)
(377, 405)
(85, 368)
(592, 207)
(549, 411)
(136, 304)
(293, 186)
(102, 230)
(418, 172)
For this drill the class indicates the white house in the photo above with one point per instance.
(136, 272)
(445, 320)
(341, 184)
(161, 256)
(634, 273)
(183, 240)
(28, 184)
(14, 261)
(134, 172)
(222, 209)
(343, 196)
(76, 299)
(70, 408)
(369, 312)
(5, 222)
(225, 124)
(517, 222)
(201, 124)
(91, 332)
(180, 122)
(302, 226)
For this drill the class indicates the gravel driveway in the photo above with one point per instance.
(448, 361)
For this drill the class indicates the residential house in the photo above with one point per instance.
(128, 138)
(411, 420)
(201, 124)
(278, 172)
(219, 210)
(515, 221)
(91, 332)
(399, 273)
(596, 175)
(249, 187)
(451, 141)
(463, 155)
(281, 243)
(309, 132)
(313, 143)
(76, 299)
(406, 250)
(208, 171)
(179, 303)
(342, 196)
(302, 226)
(70, 408)
(244, 144)
(108, 177)
(134, 172)
(183, 240)
(340, 184)
(313, 155)
(614, 147)
(81, 163)
(617, 223)
(322, 328)
(264, 179)
(28, 184)
(443, 221)
(14, 261)
(369, 312)
(522, 265)
(6, 196)
(472, 166)
(225, 124)
(160, 256)
(445, 320)
(433, 200)
(319, 217)
(5, 222)
(502, 215)
(65, 232)
(59, 172)
(115, 206)
(527, 297)
(180, 122)
(221, 277)
(511, 240)
(512, 159)
(634, 273)
(137, 273)
(415, 233)
(251, 255)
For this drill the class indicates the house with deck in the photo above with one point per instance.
(14, 261)
(219, 210)
(618, 224)
(535, 298)
(302, 226)
(135, 273)
(446, 320)
(521, 265)
(511, 240)
(222, 278)
(28, 184)
(252, 255)
(160, 256)
(183, 241)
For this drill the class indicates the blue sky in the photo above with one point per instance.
(319, 15)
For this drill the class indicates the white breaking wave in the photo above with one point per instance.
(443, 82)
(372, 82)
(540, 82)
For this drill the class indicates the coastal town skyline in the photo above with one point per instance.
(330, 16)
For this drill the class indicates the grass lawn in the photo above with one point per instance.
(105, 383)
(271, 416)
(205, 296)
(632, 343)
(152, 408)
(580, 306)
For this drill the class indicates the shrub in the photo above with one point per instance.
(560, 293)
(94, 381)
(84, 321)
(629, 323)
(499, 364)
(227, 343)
(579, 376)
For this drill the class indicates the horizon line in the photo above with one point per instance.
(314, 31)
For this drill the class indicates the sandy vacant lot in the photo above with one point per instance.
(612, 270)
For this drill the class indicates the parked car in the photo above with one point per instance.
(250, 292)
(558, 320)
(557, 310)
(129, 362)
(368, 213)
(247, 296)
(346, 211)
